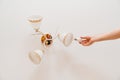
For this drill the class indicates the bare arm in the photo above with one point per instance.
(107, 36)
(88, 40)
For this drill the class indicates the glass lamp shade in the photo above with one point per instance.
(66, 38)
(36, 56)
(35, 22)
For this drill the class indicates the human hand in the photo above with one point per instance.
(86, 41)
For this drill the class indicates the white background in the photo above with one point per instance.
(101, 61)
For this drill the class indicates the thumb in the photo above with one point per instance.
(86, 37)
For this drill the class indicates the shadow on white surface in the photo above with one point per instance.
(61, 66)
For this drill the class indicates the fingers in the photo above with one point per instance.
(86, 37)
(85, 41)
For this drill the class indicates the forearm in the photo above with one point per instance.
(107, 36)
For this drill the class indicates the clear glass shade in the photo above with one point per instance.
(35, 22)
(66, 38)
(36, 56)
